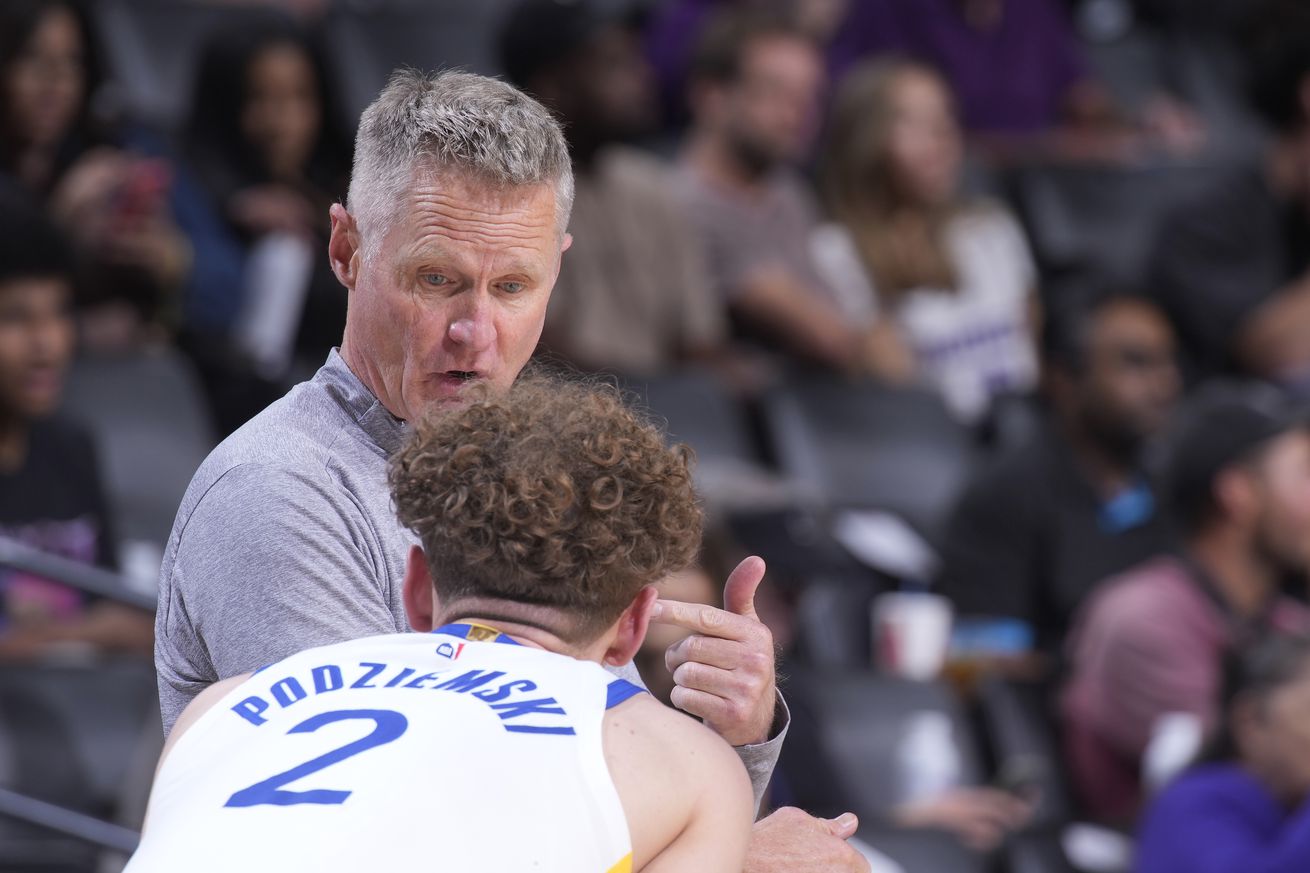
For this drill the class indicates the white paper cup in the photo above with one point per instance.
(911, 633)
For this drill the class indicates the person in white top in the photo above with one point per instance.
(498, 741)
(946, 283)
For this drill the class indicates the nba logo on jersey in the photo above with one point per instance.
(446, 650)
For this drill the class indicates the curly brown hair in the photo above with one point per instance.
(555, 493)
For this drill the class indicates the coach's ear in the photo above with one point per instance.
(632, 627)
(344, 246)
(420, 606)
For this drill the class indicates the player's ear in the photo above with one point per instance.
(420, 605)
(632, 627)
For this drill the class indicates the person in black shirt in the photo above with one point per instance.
(1232, 267)
(1038, 528)
(263, 142)
(50, 491)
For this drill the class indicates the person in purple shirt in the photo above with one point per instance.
(848, 31)
(1015, 64)
(1245, 808)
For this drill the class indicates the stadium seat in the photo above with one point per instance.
(922, 851)
(1130, 65)
(865, 445)
(1020, 731)
(1097, 219)
(370, 39)
(1036, 853)
(833, 624)
(854, 722)
(1012, 420)
(73, 735)
(152, 429)
(1016, 718)
(152, 46)
(762, 508)
(1147, 48)
(1208, 71)
(845, 752)
(698, 410)
(799, 547)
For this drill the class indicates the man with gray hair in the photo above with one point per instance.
(286, 539)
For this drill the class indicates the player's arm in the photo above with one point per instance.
(719, 827)
(685, 793)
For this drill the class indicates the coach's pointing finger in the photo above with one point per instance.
(724, 671)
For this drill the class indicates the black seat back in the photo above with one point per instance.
(862, 444)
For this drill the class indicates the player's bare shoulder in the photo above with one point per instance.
(675, 778)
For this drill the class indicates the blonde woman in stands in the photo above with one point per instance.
(946, 281)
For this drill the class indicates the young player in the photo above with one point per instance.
(497, 741)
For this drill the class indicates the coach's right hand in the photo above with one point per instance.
(792, 841)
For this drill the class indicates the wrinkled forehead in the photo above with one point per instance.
(450, 208)
(474, 187)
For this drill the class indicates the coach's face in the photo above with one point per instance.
(456, 293)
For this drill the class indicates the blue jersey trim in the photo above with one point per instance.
(462, 630)
(620, 690)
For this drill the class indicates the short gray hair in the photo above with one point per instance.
(452, 121)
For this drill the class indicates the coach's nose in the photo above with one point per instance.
(475, 332)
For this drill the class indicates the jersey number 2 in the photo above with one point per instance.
(387, 726)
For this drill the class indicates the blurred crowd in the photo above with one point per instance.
(1077, 232)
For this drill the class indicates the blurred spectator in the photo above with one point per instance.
(847, 29)
(947, 283)
(634, 293)
(1233, 266)
(113, 205)
(50, 71)
(262, 141)
(1019, 73)
(1151, 642)
(1039, 527)
(755, 86)
(1016, 66)
(50, 490)
(981, 817)
(1246, 808)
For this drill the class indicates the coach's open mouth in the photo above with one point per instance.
(454, 380)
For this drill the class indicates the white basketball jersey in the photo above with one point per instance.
(459, 750)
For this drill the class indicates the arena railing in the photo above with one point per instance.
(83, 577)
(101, 583)
(68, 822)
